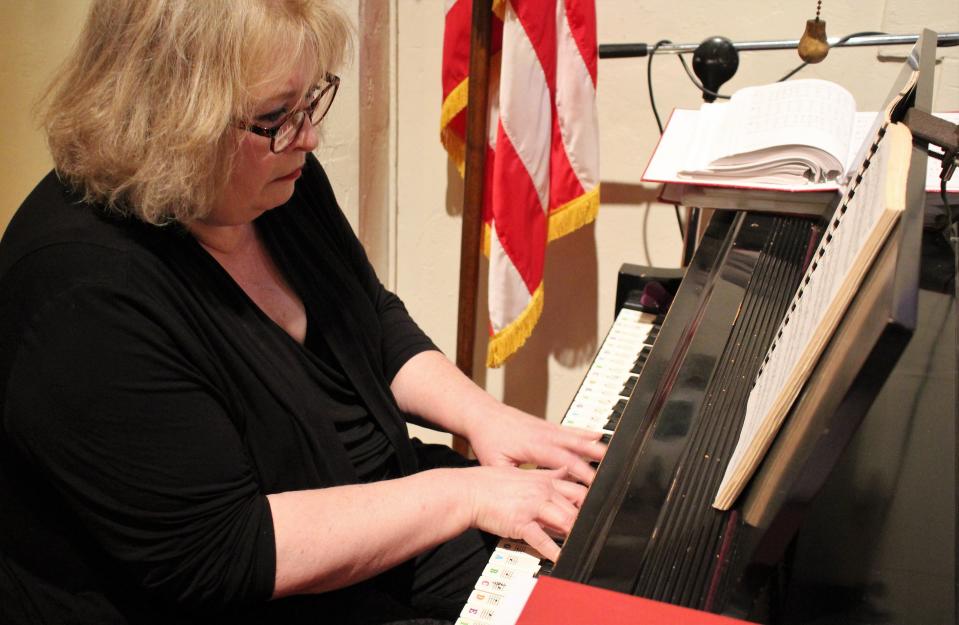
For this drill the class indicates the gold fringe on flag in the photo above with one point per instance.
(511, 338)
(567, 219)
(574, 214)
(453, 105)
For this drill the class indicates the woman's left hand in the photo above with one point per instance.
(506, 436)
(430, 386)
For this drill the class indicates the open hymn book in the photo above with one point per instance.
(871, 205)
(801, 135)
(784, 133)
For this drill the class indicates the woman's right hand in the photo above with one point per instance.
(527, 504)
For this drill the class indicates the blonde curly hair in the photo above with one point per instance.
(142, 117)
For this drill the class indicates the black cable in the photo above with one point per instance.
(948, 160)
(945, 204)
(698, 84)
(659, 123)
(649, 81)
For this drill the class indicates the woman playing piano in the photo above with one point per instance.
(204, 384)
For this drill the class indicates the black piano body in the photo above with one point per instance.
(852, 515)
(876, 544)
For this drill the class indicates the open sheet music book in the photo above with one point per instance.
(813, 203)
(794, 132)
(870, 208)
(794, 136)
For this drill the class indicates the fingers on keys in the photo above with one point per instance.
(537, 538)
(571, 491)
(577, 452)
(580, 470)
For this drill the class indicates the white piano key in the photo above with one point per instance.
(503, 588)
(483, 598)
(477, 613)
(509, 573)
(515, 559)
(519, 547)
(491, 584)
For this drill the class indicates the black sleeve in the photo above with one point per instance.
(402, 337)
(102, 403)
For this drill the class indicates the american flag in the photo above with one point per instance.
(542, 168)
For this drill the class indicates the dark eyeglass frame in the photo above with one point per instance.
(332, 82)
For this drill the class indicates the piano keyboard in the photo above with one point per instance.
(509, 576)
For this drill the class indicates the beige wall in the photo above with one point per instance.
(34, 37)
(397, 187)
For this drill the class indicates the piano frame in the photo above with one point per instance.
(646, 527)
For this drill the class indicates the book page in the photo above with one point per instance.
(865, 131)
(683, 136)
(845, 252)
(814, 113)
(673, 145)
(687, 131)
(865, 127)
(709, 135)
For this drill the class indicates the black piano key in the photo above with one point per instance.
(615, 415)
(605, 438)
(629, 386)
(658, 321)
(617, 410)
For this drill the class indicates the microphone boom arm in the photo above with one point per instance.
(626, 50)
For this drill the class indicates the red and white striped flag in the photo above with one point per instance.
(542, 167)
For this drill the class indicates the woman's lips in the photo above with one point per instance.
(291, 176)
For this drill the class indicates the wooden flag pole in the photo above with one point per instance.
(474, 178)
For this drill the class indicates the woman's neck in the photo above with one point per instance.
(224, 240)
(239, 250)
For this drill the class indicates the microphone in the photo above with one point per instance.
(715, 61)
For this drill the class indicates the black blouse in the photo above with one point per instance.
(365, 443)
(149, 407)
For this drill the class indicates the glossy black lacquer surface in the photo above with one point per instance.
(650, 502)
(860, 523)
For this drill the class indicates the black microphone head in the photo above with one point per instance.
(715, 61)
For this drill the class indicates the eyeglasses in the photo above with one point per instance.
(286, 130)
